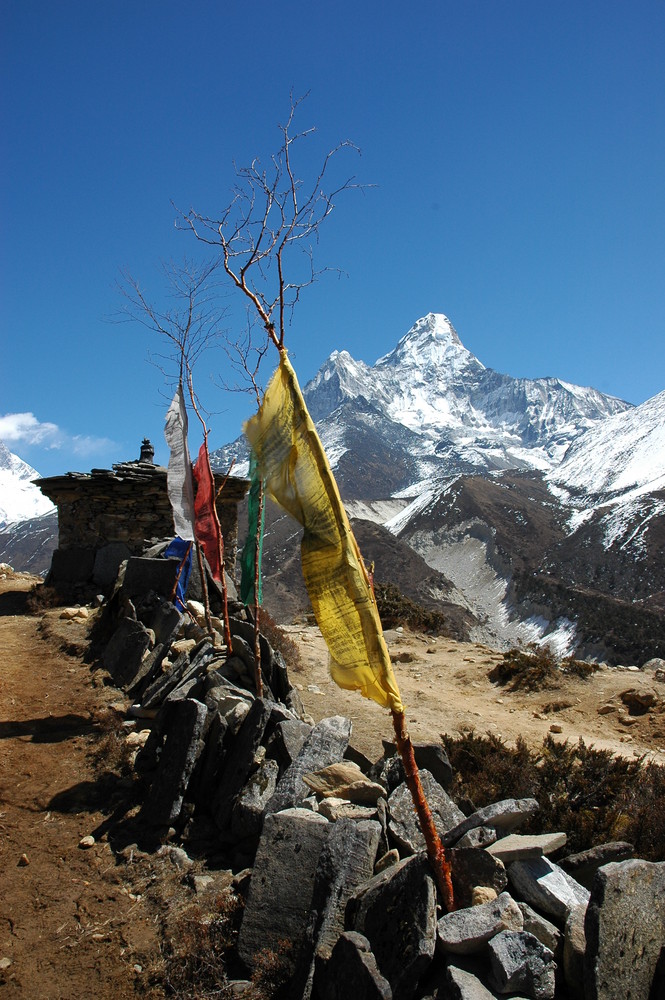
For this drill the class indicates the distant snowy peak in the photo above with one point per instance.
(624, 452)
(431, 342)
(19, 499)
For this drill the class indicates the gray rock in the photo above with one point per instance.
(547, 887)
(463, 985)
(182, 746)
(520, 962)
(247, 816)
(325, 744)
(351, 972)
(656, 663)
(466, 931)
(124, 652)
(346, 862)
(282, 883)
(287, 741)
(472, 867)
(480, 836)
(403, 821)
(574, 949)
(521, 847)
(155, 694)
(505, 816)
(165, 620)
(546, 932)
(107, 563)
(143, 575)
(584, 865)
(239, 762)
(396, 911)
(430, 757)
(625, 931)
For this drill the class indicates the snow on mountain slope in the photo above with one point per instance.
(624, 452)
(19, 499)
(445, 413)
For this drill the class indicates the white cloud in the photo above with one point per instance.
(24, 428)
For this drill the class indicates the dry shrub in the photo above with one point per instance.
(591, 795)
(273, 972)
(396, 609)
(535, 668)
(280, 641)
(197, 951)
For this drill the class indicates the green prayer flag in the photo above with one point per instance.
(254, 536)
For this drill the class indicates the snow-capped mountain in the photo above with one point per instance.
(429, 410)
(19, 499)
(453, 414)
(541, 502)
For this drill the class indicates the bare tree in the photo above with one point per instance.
(191, 326)
(272, 222)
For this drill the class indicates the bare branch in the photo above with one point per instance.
(271, 222)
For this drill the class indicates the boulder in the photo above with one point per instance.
(625, 931)
(519, 962)
(504, 816)
(473, 867)
(351, 973)
(402, 819)
(182, 746)
(584, 865)
(282, 883)
(396, 912)
(240, 761)
(547, 887)
(468, 930)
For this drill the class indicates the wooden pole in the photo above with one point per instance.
(436, 852)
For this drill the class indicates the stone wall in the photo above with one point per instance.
(105, 516)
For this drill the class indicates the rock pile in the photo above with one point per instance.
(337, 881)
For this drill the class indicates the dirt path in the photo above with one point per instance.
(65, 911)
(74, 923)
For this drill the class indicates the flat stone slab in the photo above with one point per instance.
(325, 745)
(625, 931)
(547, 887)
(521, 847)
(403, 821)
(179, 754)
(282, 883)
(504, 816)
(468, 930)
(351, 973)
(239, 762)
(396, 912)
(125, 651)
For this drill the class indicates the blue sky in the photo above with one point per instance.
(517, 153)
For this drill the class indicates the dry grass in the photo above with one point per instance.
(536, 668)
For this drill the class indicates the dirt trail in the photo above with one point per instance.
(69, 927)
(76, 924)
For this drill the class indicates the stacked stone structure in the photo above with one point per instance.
(107, 515)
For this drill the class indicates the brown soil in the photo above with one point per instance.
(78, 922)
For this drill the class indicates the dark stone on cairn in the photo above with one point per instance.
(180, 751)
(396, 912)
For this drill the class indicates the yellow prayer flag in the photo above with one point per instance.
(297, 475)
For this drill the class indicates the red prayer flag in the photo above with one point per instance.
(206, 522)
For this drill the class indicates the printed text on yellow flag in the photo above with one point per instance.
(299, 478)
